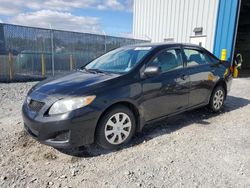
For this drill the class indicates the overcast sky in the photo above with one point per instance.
(113, 17)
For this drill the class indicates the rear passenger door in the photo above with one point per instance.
(201, 75)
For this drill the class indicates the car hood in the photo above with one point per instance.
(79, 82)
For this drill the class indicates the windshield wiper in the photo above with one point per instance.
(95, 71)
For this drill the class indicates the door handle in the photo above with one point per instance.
(184, 77)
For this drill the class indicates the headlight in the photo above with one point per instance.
(66, 105)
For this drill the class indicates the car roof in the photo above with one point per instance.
(166, 44)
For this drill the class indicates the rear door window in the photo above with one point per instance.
(196, 57)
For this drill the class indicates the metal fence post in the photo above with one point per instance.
(10, 66)
(43, 65)
(71, 62)
(52, 51)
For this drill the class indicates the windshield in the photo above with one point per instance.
(120, 60)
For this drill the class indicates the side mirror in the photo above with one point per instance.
(152, 71)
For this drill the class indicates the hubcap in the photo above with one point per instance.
(117, 128)
(218, 99)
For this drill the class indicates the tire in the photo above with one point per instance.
(217, 99)
(112, 135)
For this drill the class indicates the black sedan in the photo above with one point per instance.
(115, 95)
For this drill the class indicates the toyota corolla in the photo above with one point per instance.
(117, 94)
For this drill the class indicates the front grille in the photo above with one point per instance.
(35, 106)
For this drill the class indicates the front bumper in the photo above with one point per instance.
(62, 131)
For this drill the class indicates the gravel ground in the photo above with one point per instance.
(194, 149)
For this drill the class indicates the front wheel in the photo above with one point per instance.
(217, 99)
(115, 128)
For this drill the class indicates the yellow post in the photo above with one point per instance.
(236, 72)
(10, 66)
(71, 62)
(43, 66)
(223, 54)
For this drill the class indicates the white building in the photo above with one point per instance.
(214, 24)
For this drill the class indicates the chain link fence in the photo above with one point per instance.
(28, 53)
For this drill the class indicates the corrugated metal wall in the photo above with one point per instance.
(175, 19)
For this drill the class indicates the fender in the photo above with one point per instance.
(130, 103)
(221, 82)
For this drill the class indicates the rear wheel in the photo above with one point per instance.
(217, 99)
(116, 128)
